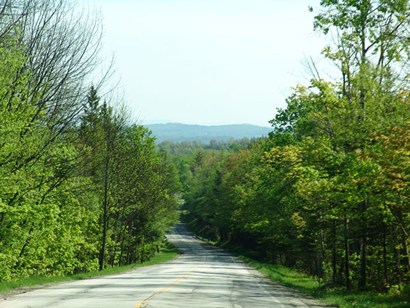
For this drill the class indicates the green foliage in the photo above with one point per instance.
(167, 253)
(136, 187)
(327, 193)
(335, 297)
(79, 190)
(369, 31)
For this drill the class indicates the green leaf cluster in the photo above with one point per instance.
(81, 188)
(328, 192)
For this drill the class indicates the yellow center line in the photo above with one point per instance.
(163, 290)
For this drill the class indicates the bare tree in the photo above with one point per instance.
(60, 47)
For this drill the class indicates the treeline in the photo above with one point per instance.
(328, 192)
(81, 188)
(184, 156)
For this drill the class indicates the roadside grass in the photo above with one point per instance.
(331, 296)
(334, 297)
(167, 253)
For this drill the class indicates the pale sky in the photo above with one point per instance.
(208, 61)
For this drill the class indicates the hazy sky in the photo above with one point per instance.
(208, 61)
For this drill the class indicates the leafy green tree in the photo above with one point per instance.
(66, 160)
(325, 192)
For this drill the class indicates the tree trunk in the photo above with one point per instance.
(105, 213)
(347, 252)
(334, 254)
(363, 248)
(385, 276)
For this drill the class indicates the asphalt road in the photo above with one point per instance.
(202, 276)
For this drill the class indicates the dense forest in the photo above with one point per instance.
(81, 187)
(328, 191)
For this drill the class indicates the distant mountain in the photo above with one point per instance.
(176, 132)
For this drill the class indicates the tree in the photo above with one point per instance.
(370, 45)
(326, 192)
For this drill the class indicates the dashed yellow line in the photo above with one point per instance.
(163, 290)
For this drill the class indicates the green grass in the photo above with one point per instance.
(285, 276)
(166, 254)
(333, 297)
(310, 286)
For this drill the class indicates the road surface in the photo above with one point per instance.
(202, 276)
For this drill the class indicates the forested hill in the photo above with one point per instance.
(177, 132)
